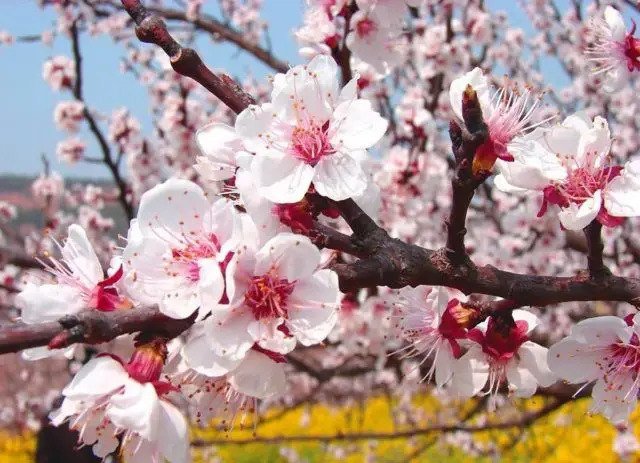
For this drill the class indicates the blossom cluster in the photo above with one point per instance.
(229, 242)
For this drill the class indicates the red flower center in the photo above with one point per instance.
(267, 296)
(310, 142)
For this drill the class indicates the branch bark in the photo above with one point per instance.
(107, 155)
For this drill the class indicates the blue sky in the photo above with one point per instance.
(26, 114)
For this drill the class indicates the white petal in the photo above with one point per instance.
(470, 373)
(616, 401)
(223, 220)
(444, 361)
(48, 303)
(228, 333)
(99, 376)
(219, 143)
(622, 196)
(173, 434)
(269, 337)
(594, 144)
(259, 376)
(478, 81)
(601, 331)
(199, 355)
(502, 184)
(239, 273)
(325, 72)
(252, 124)
(181, 299)
(534, 166)
(39, 353)
(305, 96)
(136, 409)
(79, 255)
(339, 176)
(574, 361)
(579, 121)
(616, 23)
(210, 285)
(280, 177)
(533, 357)
(172, 210)
(314, 302)
(576, 218)
(521, 381)
(294, 256)
(355, 125)
(438, 299)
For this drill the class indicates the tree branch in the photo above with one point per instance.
(185, 61)
(595, 248)
(107, 157)
(91, 327)
(211, 25)
(386, 261)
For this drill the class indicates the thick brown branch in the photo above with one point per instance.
(185, 61)
(91, 327)
(397, 264)
(214, 27)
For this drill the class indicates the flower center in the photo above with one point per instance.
(623, 360)
(267, 296)
(366, 27)
(499, 345)
(631, 51)
(310, 142)
(193, 252)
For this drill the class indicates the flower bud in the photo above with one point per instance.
(146, 363)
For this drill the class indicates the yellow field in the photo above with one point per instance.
(567, 435)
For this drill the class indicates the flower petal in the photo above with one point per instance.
(280, 177)
(470, 373)
(259, 376)
(172, 210)
(99, 376)
(622, 196)
(198, 355)
(577, 217)
(79, 255)
(339, 176)
(355, 125)
(294, 256)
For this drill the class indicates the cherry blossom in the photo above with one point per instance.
(219, 381)
(59, 72)
(310, 133)
(500, 353)
(615, 52)
(374, 40)
(433, 322)
(602, 351)
(81, 285)
(178, 246)
(570, 165)
(509, 114)
(68, 115)
(277, 296)
(106, 401)
(71, 150)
